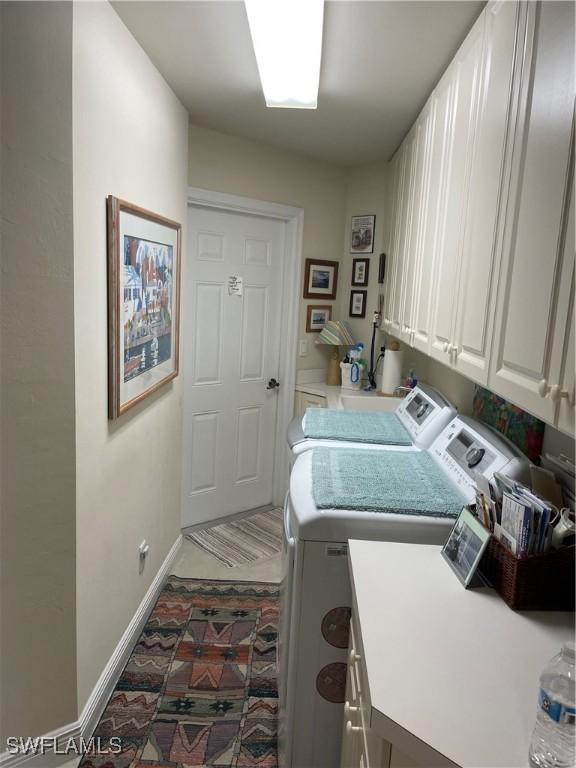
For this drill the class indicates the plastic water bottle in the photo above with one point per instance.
(553, 738)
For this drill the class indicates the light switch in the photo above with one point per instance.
(303, 348)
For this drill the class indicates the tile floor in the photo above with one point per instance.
(194, 563)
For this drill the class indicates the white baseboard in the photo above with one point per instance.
(102, 691)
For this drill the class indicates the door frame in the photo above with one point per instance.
(291, 275)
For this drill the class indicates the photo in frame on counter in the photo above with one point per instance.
(465, 546)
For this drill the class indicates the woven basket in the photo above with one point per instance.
(535, 583)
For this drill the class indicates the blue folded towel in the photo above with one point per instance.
(404, 482)
(355, 426)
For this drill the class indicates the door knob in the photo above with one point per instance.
(273, 384)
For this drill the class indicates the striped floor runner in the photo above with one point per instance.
(243, 541)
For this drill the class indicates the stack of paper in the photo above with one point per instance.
(520, 519)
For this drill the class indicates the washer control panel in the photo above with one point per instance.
(424, 412)
(466, 447)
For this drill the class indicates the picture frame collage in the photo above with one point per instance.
(321, 276)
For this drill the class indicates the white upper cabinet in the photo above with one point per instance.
(415, 148)
(392, 203)
(479, 259)
(435, 148)
(533, 305)
(463, 80)
(395, 260)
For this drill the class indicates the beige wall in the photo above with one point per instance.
(241, 167)
(130, 140)
(37, 557)
(365, 195)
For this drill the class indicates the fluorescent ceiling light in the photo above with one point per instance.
(287, 40)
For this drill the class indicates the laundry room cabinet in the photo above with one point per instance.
(462, 80)
(398, 205)
(482, 256)
(534, 317)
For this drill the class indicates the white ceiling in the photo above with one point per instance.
(380, 61)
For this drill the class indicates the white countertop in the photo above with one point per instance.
(451, 672)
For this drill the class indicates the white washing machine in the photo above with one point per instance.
(316, 595)
(423, 414)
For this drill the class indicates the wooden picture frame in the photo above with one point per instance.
(360, 272)
(313, 325)
(381, 268)
(144, 255)
(320, 279)
(358, 303)
(362, 234)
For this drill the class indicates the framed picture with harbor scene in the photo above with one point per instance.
(143, 303)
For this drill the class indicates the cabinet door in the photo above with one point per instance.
(436, 138)
(562, 365)
(530, 304)
(417, 204)
(463, 80)
(393, 205)
(399, 243)
(480, 254)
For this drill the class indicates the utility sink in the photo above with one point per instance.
(369, 402)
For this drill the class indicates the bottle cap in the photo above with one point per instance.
(569, 649)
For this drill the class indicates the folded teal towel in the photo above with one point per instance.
(405, 482)
(357, 426)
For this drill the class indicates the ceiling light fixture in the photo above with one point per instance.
(287, 40)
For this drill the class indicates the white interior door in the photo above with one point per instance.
(231, 351)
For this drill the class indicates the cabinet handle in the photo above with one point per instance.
(353, 656)
(557, 394)
(445, 346)
(543, 388)
(350, 729)
(453, 349)
(348, 709)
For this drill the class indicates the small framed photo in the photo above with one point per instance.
(358, 303)
(320, 279)
(465, 546)
(360, 271)
(317, 316)
(362, 236)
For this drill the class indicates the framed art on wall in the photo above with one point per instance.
(358, 303)
(317, 316)
(320, 279)
(143, 303)
(360, 271)
(362, 234)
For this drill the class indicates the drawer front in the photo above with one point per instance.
(356, 662)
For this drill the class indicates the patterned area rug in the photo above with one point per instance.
(200, 688)
(243, 541)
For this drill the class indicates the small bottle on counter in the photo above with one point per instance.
(553, 737)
